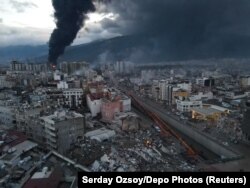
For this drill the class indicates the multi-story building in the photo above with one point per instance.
(96, 92)
(7, 81)
(174, 92)
(162, 89)
(34, 129)
(25, 115)
(62, 85)
(235, 95)
(187, 105)
(245, 81)
(7, 116)
(113, 105)
(123, 67)
(76, 68)
(17, 66)
(94, 103)
(119, 67)
(147, 75)
(73, 97)
(208, 82)
(36, 67)
(109, 108)
(155, 89)
(62, 129)
(107, 101)
(202, 96)
(57, 75)
(56, 96)
(185, 86)
(246, 125)
(125, 103)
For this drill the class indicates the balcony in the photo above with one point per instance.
(52, 139)
(50, 133)
(54, 146)
(50, 127)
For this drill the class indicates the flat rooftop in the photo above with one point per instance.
(206, 111)
(61, 116)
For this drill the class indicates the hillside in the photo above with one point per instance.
(137, 48)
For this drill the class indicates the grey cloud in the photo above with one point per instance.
(22, 36)
(186, 27)
(2, 9)
(1, 20)
(8, 31)
(21, 6)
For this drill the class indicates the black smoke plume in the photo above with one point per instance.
(70, 16)
(182, 29)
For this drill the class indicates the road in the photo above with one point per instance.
(236, 165)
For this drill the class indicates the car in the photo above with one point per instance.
(182, 117)
(225, 143)
(157, 128)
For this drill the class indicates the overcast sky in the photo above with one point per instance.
(31, 22)
(216, 26)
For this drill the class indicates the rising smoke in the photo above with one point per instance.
(160, 29)
(70, 16)
(182, 29)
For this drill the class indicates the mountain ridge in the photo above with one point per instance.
(137, 48)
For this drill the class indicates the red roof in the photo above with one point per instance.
(13, 138)
(51, 182)
(96, 96)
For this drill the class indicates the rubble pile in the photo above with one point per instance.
(230, 128)
(89, 151)
(226, 130)
(144, 150)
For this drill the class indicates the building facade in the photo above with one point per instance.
(7, 116)
(245, 81)
(186, 106)
(73, 97)
(62, 129)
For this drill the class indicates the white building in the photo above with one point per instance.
(186, 106)
(126, 104)
(136, 81)
(247, 94)
(162, 89)
(94, 105)
(73, 97)
(200, 81)
(202, 96)
(235, 95)
(57, 76)
(208, 82)
(62, 85)
(245, 81)
(123, 67)
(90, 74)
(98, 78)
(147, 75)
(185, 86)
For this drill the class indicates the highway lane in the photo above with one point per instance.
(210, 148)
